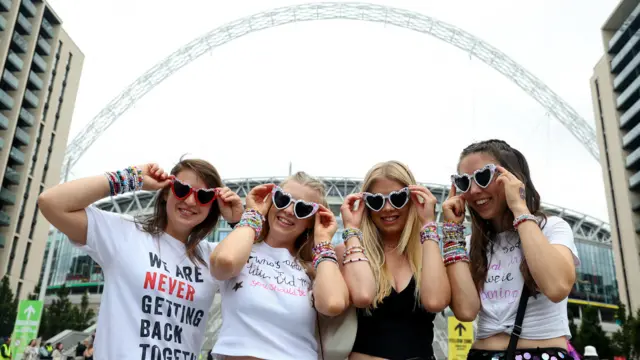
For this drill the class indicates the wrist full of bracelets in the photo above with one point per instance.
(454, 251)
(355, 249)
(323, 252)
(123, 181)
(430, 232)
(351, 232)
(452, 231)
(253, 219)
(522, 218)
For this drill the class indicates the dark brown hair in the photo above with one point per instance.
(156, 223)
(482, 232)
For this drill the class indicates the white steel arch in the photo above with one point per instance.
(453, 35)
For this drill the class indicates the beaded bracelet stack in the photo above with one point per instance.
(354, 249)
(323, 252)
(430, 232)
(455, 247)
(253, 219)
(522, 218)
(122, 181)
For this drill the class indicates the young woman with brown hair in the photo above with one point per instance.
(157, 290)
(520, 260)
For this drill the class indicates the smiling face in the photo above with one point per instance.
(283, 223)
(183, 215)
(389, 220)
(490, 203)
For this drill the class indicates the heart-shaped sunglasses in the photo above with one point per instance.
(482, 177)
(398, 199)
(182, 191)
(301, 209)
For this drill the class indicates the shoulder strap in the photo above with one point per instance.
(517, 326)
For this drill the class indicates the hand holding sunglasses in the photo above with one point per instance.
(326, 225)
(230, 205)
(453, 209)
(351, 216)
(425, 203)
(514, 191)
(259, 198)
(301, 209)
(183, 190)
(154, 177)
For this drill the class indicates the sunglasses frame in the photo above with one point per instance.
(492, 169)
(293, 201)
(365, 195)
(192, 190)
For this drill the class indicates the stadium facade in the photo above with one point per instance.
(596, 283)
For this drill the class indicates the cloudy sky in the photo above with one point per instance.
(335, 97)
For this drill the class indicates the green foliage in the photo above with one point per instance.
(8, 308)
(591, 333)
(63, 315)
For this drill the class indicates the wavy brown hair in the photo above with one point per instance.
(156, 223)
(482, 232)
(304, 243)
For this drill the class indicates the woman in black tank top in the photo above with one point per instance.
(402, 281)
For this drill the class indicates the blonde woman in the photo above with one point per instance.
(392, 265)
(269, 265)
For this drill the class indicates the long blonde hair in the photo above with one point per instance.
(409, 243)
(304, 243)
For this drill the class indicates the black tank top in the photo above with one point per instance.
(398, 329)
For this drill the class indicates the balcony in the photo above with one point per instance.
(19, 44)
(12, 176)
(43, 46)
(4, 122)
(31, 99)
(28, 7)
(26, 118)
(5, 219)
(14, 63)
(634, 181)
(17, 156)
(39, 64)
(46, 29)
(7, 197)
(6, 101)
(629, 26)
(3, 23)
(24, 25)
(22, 136)
(5, 5)
(35, 80)
(10, 79)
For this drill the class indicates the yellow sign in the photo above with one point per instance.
(460, 338)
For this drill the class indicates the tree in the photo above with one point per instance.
(58, 316)
(8, 307)
(591, 333)
(622, 339)
(83, 314)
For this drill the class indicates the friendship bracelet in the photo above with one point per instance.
(348, 261)
(122, 181)
(522, 218)
(353, 250)
(350, 232)
(453, 231)
(430, 232)
(253, 219)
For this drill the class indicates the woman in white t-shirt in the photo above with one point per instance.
(158, 290)
(494, 182)
(269, 265)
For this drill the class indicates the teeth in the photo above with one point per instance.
(389, 218)
(285, 221)
(186, 212)
(483, 201)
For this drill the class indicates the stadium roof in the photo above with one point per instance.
(585, 228)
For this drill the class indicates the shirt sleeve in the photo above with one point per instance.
(559, 232)
(107, 233)
(210, 247)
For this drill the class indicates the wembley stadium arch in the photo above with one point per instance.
(386, 15)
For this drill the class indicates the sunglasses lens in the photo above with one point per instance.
(181, 190)
(205, 197)
(303, 210)
(281, 200)
(462, 183)
(399, 199)
(483, 177)
(374, 202)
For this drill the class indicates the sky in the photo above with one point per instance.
(336, 97)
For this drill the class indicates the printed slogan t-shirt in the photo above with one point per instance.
(543, 318)
(266, 310)
(156, 302)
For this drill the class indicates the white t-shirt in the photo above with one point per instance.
(543, 318)
(266, 310)
(156, 302)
